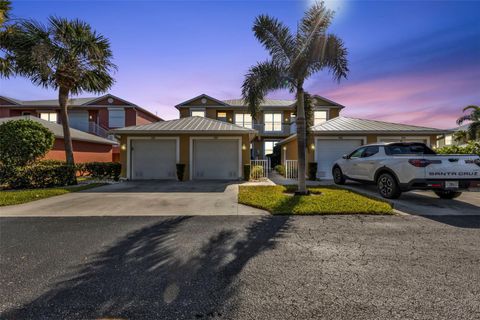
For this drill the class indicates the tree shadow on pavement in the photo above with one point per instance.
(149, 275)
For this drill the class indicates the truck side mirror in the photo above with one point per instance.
(345, 156)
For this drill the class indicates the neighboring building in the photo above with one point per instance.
(449, 139)
(274, 122)
(339, 136)
(97, 115)
(209, 149)
(213, 138)
(86, 147)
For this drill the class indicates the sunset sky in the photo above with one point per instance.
(415, 62)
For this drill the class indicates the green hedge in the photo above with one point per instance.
(38, 176)
(280, 168)
(53, 173)
(472, 147)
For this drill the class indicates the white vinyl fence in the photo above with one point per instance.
(291, 169)
(259, 169)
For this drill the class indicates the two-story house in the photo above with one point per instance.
(274, 122)
(96, 115)
(214, 138)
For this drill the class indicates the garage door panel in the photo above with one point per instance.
(154, 159)
(215, 159)
(330, 150)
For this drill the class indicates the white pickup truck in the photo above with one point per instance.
(398, 167)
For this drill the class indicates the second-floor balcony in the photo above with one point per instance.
(284, 129)
(99, 131)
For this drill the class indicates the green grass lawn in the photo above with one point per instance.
(323, 200)
(10, 197)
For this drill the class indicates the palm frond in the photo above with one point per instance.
(471, 107)
(260, 79)
(275, 37)
(474, 130)
(328, 52)
(463, 119)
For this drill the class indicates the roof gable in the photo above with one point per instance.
(322, 101)
(6, 101)
(108, 100)
(201, 100)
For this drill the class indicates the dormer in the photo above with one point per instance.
(324, 109)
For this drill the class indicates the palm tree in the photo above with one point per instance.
(474, 118)
(294, 58)
(5, 7)
(65, 55)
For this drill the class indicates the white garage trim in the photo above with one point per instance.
(363, 138)
(239, 139)
(129, 149)
(401, 138)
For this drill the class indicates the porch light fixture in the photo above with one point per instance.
(284, 148)
(123, 147)
(312, 146)
(244, 147)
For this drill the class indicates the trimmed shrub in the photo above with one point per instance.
(312, 171)
(280, 168)
(472, 147)
(23, 141)
(246, 172)
(257, 172)
(40, 176)
(180, 171)
(103, 170)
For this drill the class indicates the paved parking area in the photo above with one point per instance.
(142, 198)
(240, 267)
(426, 202)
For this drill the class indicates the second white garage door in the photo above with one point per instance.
(153, 159)
(215, 159)
(328, 151)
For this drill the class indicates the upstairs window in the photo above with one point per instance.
(244, 120)
(116, 118)
(49, 116)
(222, 116)
(268, 147)
(319, 117)
(273, 121)
(197, 113)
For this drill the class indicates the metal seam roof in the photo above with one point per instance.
(189, 124)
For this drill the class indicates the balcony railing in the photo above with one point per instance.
(99, 131)
(285, 130)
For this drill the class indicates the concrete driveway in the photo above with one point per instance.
(426, 203)
(141, 198)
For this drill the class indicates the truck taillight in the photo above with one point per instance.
(419, 163)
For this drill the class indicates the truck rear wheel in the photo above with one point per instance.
(448, 194)
(388, 187)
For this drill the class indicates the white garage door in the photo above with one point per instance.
(154, 159)
(328, 151)
(215, 159)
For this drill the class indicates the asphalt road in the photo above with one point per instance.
(343, 267)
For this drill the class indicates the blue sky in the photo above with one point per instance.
(410, 61)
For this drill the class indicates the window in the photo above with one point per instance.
(222, 116)
(357, 153)
(197, 113)
(26, 113)
(370, 151)
(273, 121)
(116, 117)
(448, 140)
(244, 120)
(411, 148)
(49, 116)
(319, 117)
(268, 147)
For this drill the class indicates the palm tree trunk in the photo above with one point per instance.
(62, 100)
(301, 141)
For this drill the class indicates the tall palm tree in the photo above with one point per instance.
(5, 7)
(65, 55)
(294, 58)
(474, 118)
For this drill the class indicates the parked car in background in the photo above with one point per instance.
(399, 167)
